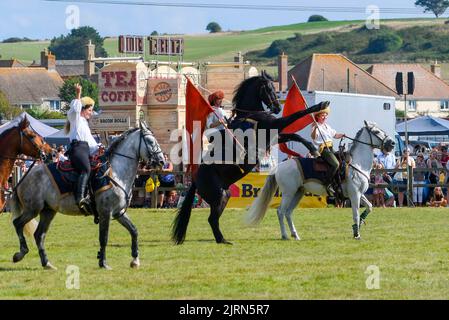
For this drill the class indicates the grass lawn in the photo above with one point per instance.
(409, 246)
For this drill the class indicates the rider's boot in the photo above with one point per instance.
(80, 191)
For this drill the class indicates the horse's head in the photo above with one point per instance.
(379, 138)
(252, 93)
(150, 149)
(31, 143)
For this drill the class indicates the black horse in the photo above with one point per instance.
(213, 180)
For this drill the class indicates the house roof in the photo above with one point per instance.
(334, 67)
(427, 85)
(70, 68)
(29, 85)
(12, 63)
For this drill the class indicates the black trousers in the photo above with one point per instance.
(79, 156)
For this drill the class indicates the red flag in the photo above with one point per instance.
(197, 110)
(293, 103)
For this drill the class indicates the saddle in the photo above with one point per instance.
(65, 177)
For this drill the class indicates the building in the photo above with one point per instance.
(431, 94)
(336, 73)
(28, 87)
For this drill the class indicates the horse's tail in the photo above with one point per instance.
(179, 228)
(259, 207)
(16, 212)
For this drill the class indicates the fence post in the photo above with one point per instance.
(410, 186)
(154, 193)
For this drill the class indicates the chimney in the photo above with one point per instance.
(48, 60)
(283, 72)
(436, 69)
(89, 66)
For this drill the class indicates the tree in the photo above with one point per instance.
(154, 33)
(213, 27)
(6, 110)
(316, 17)
(40, 112)
(384, 43)
(438, 7)
(72, 46)
(67, 91)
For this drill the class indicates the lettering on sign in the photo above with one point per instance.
(163, 92)
(111, 121)
(166, 46)
(117, 87)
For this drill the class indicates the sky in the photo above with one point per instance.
(39, 19)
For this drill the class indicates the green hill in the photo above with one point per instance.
(387, 44)
(224, 46)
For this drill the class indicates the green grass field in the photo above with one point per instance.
(409, 246)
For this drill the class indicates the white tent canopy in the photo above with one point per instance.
(39, 127)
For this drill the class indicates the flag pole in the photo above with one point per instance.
(307, 107)
(225, 126)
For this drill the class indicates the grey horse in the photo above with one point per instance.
(293, 186)
(37, 195)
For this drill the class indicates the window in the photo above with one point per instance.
(55, 105)
(387, 106)
(26, 106)
(444, 105)
(411, 105)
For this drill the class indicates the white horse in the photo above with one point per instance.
(292, 184)
(36, 195)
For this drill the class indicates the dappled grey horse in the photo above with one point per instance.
(37, 195)
(292, 185)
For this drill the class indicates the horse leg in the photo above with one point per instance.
(281, 211)
(297, 197)
(216, 211)
(368, 208)
(285, 137)
(19, 224)
(46, 216)
(104, 233)
(355, 204)
(126, 222)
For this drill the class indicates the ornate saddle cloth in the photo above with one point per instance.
(313, 168)
(64, 176)
(316, 168)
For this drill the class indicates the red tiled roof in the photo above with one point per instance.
(427, 85)
(334, 67)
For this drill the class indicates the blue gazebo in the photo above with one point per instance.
(424, 126)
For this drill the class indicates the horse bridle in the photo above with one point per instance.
(272, 102)
(40, 151)
(154, 149)
(371, 133)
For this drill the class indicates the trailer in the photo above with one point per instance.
(347, 115)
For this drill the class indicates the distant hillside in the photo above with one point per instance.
(387, 44)
(224, 46)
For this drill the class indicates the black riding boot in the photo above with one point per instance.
(80, 192)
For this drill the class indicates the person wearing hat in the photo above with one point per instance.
(322, 135)
(82, 144)
(216, 119)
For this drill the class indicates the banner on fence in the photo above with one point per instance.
(244, 192)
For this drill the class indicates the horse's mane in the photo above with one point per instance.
(357, 137)
(242, 89)
(114, 145)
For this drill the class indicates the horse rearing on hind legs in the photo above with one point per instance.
(123, 156)
(213, 180)
(17, 140)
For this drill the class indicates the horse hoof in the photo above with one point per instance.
(49, 266)
(296, 237)
(225, 242)
(285, 238)
(357, 237)
(135, 263)
(105, 266)
(18, 256)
